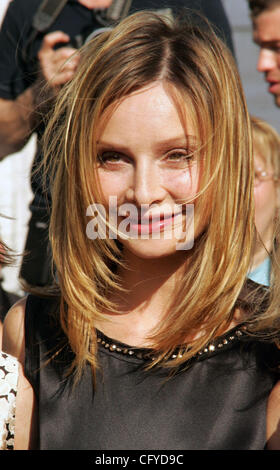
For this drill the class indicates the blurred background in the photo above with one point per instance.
(15, 192)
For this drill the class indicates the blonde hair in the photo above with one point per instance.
(145, 48)
(266, 142)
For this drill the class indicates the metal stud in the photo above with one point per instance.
(147, 356)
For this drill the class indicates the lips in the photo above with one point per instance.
(274, 86)
(153, 223)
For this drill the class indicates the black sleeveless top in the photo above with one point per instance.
(218, 403)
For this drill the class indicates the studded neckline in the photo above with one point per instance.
(213, 347)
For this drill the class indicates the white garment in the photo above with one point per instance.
(8, 392)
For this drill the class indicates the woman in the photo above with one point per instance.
(266, 143)
(146, 345)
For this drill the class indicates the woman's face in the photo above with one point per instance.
(266, 200)
(146, 171)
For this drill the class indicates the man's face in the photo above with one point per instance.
(266, 33)
(90, 4)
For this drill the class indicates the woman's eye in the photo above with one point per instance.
(182, 157)
(178, 156)
(109, 157)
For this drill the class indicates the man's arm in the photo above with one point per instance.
(15, 123)
(19, 117)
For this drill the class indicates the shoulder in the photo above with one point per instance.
(23, 7)
(7, 300)
(14, 345)
(273, 419)
(17, 14)
(13, 330)
(41, 316)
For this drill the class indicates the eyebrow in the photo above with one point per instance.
(267, 43)
(180, 141)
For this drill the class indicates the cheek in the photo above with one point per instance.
(258, 200)
(112, 184)
(265, 204)
(182, 185)
(264, 196)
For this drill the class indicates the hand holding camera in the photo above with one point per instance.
(57, 65)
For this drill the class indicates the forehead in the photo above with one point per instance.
(155, 108)
(266, 26)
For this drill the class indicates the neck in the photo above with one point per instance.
(150, 275)
(261, 252)
(151, 284)
(258, 258)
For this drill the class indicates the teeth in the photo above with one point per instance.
(160, 216)
(146, 220)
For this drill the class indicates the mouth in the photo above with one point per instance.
(152, 223)
(273, 86)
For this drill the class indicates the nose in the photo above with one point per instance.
(146, 187)
(266, 61)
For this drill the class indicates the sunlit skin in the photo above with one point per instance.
(266, 33)
(146, 159)
(266, 195)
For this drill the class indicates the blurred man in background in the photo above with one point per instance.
(266, 34)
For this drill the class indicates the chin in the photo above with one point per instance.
(277, 100)
(153, 249)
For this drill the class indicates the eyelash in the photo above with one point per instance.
(104, 157)
(186, 155)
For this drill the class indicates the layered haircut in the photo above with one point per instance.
(259, 6)
(203, 81)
